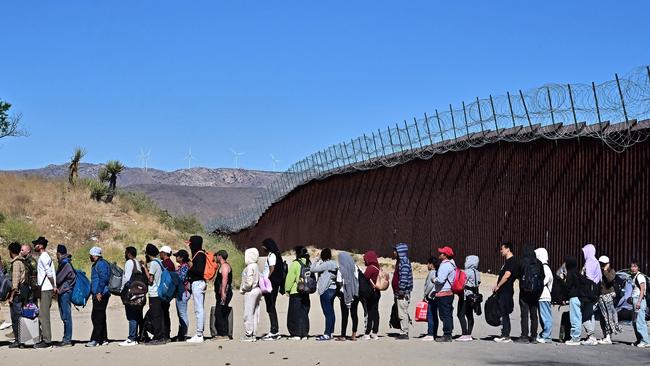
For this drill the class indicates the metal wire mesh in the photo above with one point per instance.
(553, 111)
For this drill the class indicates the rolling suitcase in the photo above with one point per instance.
(213, 322)
(28, 331)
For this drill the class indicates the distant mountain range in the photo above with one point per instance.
(203, 192)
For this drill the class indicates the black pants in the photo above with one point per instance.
(270, 299)
(372, 313)
(298, 315)
(156, 315)
(352, 312)
(98, 318)
(15, 310)
(529, 307)
(506, 305)
(446, 311)
(166, 320)
(465, 315)
(221, 313)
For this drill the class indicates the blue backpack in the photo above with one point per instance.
(81, 290)
(169, 284)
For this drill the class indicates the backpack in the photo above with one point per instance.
(115, 282)
(493, 311)
(647, 292)
(135, 290)
(30, 289)
(559, 291)
(460, 279)
(5, 286)
(307, 280)
(169, 284)
(383, 280)
(589, 290)
(532, 277)
(211, 266)
(81, 290)
(365, 287)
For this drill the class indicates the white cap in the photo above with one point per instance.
(603, 259)
(96, 251)
(166, 249)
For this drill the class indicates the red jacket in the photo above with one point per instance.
(372, 266)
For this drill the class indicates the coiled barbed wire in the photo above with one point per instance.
(607, 111)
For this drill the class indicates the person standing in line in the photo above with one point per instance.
(165, 256)
(252, 294)
(274, 271)
(183, 260)
(505, 290)
(47, 282)
(432, 301)
(609, 315)
(545, 308)
(371, 261)
(573, 283)
(20, 290)
(444, 280)
(195, 277)
(133, 312)
(299, 303)
(531, 269)
(402, 284)
(590, 293)
(465, 300)
(153, 271)
(640, 305)
(100, 275)
(326, 268)
(66, 278)
(348, 280)
(223, 292)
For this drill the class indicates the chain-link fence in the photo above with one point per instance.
(553, 111)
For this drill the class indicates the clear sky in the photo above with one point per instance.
(280, 77)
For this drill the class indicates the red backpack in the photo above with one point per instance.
(460, 279)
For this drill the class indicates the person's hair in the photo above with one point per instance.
(506, 244)
(431, 260)
(14, 248)
(131, 251)
(326, 254)
(301, 252)
(635, 261)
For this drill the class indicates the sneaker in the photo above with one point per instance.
(129, 343)
(10, 335)
(195, 339)
(15, 345)
(324, 337)
(42, 345)
(523, 340)
(643, 345)
(248, 338)
(5, 325)
(503, 340)
(445, 339)
(295, 338)
(272, 337)
(606, 340)
(402, 337)
(374, 337)
(464, 338)
(428, 339)
(65, 344)
(541, 340)
(367, 337)
(591, 341)
(572, 342)
(92, 344)
(304, 338)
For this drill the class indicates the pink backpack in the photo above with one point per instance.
(265, 285)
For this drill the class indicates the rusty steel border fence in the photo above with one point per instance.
(552, 112)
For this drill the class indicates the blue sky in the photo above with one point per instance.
(285, 78)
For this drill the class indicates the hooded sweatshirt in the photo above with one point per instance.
(197, 269)
(66, 277)
(372, 266)
(327, 274)
(251, 274)
(572, 276)
(429, 285)
(348, 271)
(529, 260)
(592, 267)
(542, 255)
(404, 283)
(473, 275)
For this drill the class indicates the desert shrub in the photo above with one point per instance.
(188, 224)
(235, 256)
(102, 225)
(13, 229)
(138, 202)
(2, 218)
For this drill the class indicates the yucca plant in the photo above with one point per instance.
(109, 173)
(98, 190)
(73, 168)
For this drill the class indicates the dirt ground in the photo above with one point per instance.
(285, 352)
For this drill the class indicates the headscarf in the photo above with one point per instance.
(371, 259)
(251, 255)
(592, 267)
(350, 283)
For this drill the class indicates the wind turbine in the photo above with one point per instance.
(189, 159)
(144, 158)
(236, 156)
(275, 162)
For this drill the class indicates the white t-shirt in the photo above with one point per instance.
(270, 261)
(155, 270)
(128, 270)
(640, 278)
(45, 267)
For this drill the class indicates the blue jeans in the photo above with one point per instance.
(546, 317)
(640, 325)
(327, 303)
(183, 319)
(575, 314)
(446, 310)
(432, 318)
(198, 293)
(134, 316)
(65, 311)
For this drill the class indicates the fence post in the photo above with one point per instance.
(392, 144)
(494, 114)
(345, 155)
(573, 109)
(374, 142)
(465, 116)
(620, 93)
(365, 139)
(442, 136)
(550, 104)
(383, 147)
(408, 135)
(417, 129)
(600, 122)
(453, 123)
(523, 101)
(512, 113)
(399, 137)
(354, 150)
(480, 116)
(426, 119)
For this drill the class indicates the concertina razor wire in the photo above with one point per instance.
(553, 111)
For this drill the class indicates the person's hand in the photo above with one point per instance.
(607, 267)
(638, 306)
(99, 297)
(495, 289)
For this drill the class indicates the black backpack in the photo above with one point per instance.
(492, 311)
(559, 291)
(135, 290)
(532, 277)
(307, 280)
(589, 290)
(365, 287)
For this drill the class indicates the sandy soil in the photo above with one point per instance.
(285, 352)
